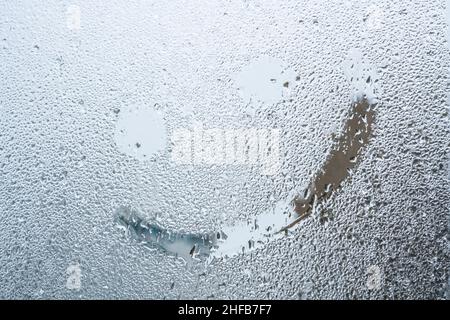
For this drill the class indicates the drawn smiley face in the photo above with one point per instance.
(240, 236)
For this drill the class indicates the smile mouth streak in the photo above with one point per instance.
(184, 245)
(342, 159)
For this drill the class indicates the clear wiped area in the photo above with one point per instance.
(227, 150)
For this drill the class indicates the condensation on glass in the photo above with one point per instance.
(202, 149)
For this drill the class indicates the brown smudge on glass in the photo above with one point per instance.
(342, 158)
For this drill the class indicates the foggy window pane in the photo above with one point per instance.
(227, 150)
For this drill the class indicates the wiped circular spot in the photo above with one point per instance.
(266, 79)
(140, 132)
